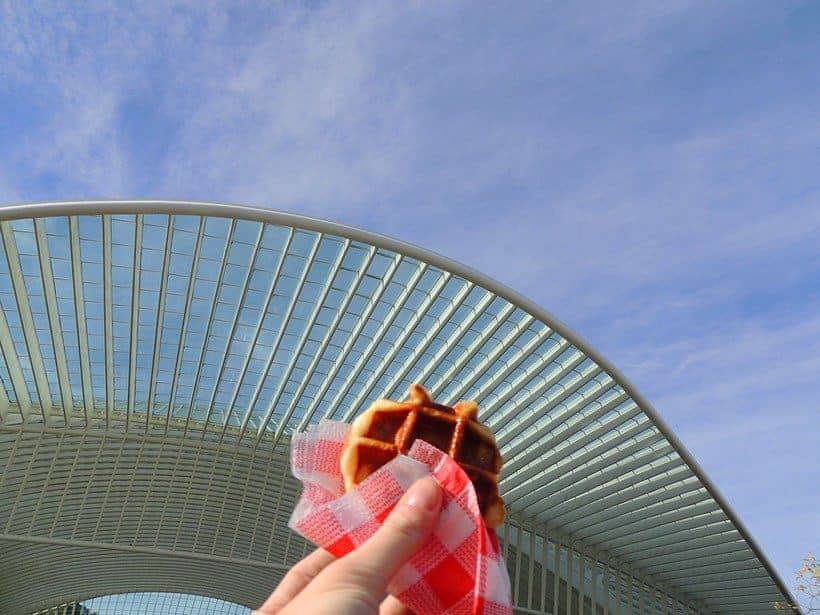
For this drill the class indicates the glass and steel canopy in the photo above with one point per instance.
(148, 603)
(166, 342)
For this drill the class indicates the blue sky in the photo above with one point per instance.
(647, 173)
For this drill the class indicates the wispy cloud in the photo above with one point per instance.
(648, 174)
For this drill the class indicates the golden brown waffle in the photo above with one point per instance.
(389, 428)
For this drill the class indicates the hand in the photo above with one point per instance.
(356, 584)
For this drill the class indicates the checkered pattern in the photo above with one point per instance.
(458, 571)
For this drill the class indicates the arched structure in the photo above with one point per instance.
(156, 357)
(148, 603)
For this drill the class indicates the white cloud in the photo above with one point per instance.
(554, 147)
(743, 398)
(295, 124)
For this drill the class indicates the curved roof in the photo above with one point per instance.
(149, 603)
(235, 327)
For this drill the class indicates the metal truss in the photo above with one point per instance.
(156, 357)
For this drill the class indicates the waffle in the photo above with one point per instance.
(388, 428)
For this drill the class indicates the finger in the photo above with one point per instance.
(372, 565)
(296, 580)
(393, 606)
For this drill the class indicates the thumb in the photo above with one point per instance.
(372, 565)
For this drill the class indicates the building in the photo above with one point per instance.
(156, 357)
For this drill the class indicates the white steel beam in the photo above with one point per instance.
(257, 330)
(232, 329)
(720, 551)
(108, 308)
(604, 482)
(627, 493)
(570, 576)
(29, 331)
(269, 295)
(50, 540)
(4, 403)
(185, 320)
(548, 372)
(135, 312)
(492, 359)
(665, 498)
(458, 335)
(556, 577)
(348, 343)
(158, 326)
(18, 381)
(691, 506)
(606, 450)
(419, 313)
(753, 570)
(297, 351)
(682, 522)
(715, 533)
(545, 437)
(279, 336)
(579, 380)
(219, 280)
(53, 318)
(733, 562)
(288, 412)
(377, 337)
(429, 337)
(79, 305)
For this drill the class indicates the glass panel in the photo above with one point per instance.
(242, 249)
(247, 352)
(59, 249)
(278, 338)
(207, 273)
(5, 380)
(30, 267)
(305, 338)
(91, 256)
(152, 254)
(374, 340)
(123, 238)
(181, 265)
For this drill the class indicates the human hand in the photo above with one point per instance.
(356, 584)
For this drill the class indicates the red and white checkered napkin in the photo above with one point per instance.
(459, 569)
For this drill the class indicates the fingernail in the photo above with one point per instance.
(424, 494)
